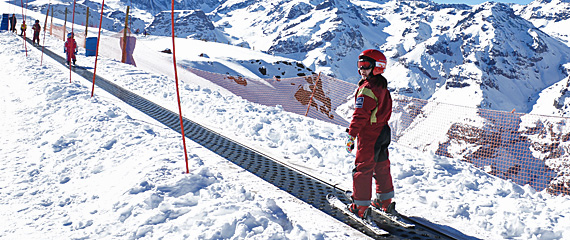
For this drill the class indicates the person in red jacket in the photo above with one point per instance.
(36, 27)
(70, 48)
(369, 126)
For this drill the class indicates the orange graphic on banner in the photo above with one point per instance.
(239, 80)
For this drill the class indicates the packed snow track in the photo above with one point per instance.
(299, 184)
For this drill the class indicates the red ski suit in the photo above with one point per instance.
(70, 48)
(370, 126)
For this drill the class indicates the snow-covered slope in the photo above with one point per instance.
(490, 58)
(551, 16)
(76, 167)
(420, 37)
(190, 23)
(326, 36)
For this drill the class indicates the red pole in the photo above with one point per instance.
(177, 91)
(44, 43)
(73, 17)
(97, 49)
(72, 23)
(312, 94)
(23, 20)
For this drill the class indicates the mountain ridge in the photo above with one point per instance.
(492, 55)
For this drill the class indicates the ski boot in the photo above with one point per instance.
(361, 211)
(384, 205)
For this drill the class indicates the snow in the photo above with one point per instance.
(474, 2)
(76, 167)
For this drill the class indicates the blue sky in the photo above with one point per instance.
(474, 2)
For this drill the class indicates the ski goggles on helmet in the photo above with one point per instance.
(365, 64)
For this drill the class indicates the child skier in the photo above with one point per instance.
(369, 127)
(23, 27)
(36, 28)
(70, 48)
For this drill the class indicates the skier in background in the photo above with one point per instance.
(23, 28)
(369, 126)
(36, 29)
(13, 23)
(70, 47)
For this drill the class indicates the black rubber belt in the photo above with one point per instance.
(301, 185)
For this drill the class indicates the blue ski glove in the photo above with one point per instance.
(349, 143)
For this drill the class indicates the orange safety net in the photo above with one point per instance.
(113, 43)
(293, 94)
(525, 148)
(61, 33)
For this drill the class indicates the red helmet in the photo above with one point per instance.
(372, 58)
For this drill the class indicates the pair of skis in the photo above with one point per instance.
(368, 222)
(73, 65)
(365, 222)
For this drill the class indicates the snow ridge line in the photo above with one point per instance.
(303, 186)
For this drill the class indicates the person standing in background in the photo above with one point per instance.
(13, 23)
(23, 28)
(36, 28)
